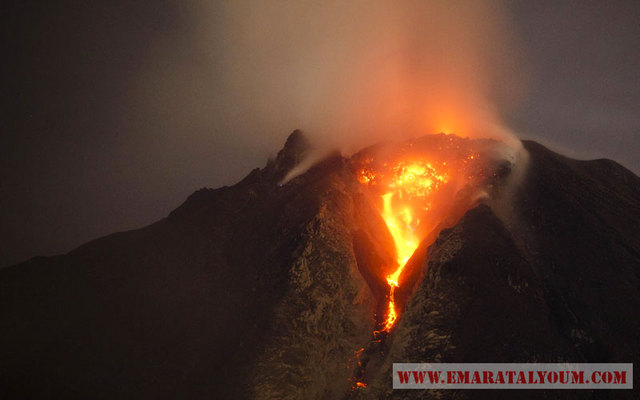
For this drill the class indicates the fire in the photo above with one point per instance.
(405, 204)
(358, 383)
(421, 185)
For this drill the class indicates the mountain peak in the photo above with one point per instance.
(295, 149)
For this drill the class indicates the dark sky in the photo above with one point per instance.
(584, 95)
(103, 131)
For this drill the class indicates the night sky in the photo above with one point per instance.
(111, 116)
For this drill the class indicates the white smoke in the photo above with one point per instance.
(348, 73)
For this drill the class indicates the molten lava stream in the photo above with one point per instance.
(413, 201)
(411, 188)
(406, 243)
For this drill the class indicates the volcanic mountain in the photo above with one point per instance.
(435, 249)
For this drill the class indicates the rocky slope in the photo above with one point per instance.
(552, 275)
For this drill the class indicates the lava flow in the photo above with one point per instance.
(406, 202)
(418, 187)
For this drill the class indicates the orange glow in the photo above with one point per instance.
(409, 193)
(419, 187)
(358, 384)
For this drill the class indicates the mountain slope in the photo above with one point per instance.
(551, 274)
(262, 290)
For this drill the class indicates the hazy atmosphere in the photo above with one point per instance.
(114, 113)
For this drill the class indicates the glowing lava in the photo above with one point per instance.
(405, 205)
(420, 187)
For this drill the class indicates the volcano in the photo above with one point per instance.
(434, 249)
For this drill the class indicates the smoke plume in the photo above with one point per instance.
(348, 73)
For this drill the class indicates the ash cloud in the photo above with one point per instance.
(349, 74)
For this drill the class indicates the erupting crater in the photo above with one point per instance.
(418, 187)
(414, 185)
(408, 187)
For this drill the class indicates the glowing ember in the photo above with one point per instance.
(417, 184)
(407, 198)
(358, 383)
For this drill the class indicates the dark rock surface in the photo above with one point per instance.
(554, 279)
(262, 290)
(242, 288)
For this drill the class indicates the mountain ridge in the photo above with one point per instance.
(258, 289)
